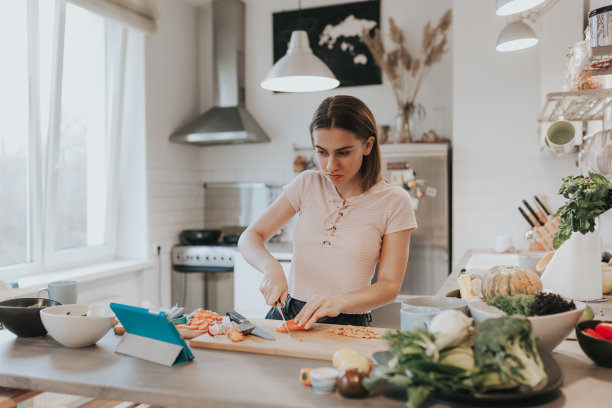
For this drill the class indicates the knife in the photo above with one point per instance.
(527, 217)
(535, 215)
(541, 205)
(243, 323)
(280, 310)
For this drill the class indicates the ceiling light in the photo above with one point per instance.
(516, 36)
(507, 7)
(300, 70)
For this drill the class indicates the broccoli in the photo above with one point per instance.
(507, 345)
(518, 304)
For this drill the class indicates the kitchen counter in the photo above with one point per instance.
(218, 378)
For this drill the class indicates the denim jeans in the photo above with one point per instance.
(293, 307)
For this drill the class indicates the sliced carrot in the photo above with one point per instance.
(292, 325)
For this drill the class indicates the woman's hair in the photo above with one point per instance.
(350, 113)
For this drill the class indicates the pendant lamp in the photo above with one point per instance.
(516, 36)
(300, 70)
(507, 7)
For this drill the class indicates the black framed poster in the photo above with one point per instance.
(335, 37)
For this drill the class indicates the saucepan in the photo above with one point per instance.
(199, 236)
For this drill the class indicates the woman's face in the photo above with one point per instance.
(340, 154)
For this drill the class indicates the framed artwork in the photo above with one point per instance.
(335, 37)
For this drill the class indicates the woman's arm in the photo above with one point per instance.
(251, 244)
(391, 270)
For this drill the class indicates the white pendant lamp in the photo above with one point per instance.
(507, 7)
(516, 36)
(300, 70)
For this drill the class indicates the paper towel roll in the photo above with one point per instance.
(575, 269)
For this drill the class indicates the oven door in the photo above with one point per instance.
(211, 288)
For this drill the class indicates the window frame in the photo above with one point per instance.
(43, 180)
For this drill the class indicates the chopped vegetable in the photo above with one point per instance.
(518, 304)
(604, 330)
(305, 377)
(235, 335)
(293, 326)
(593, 333)
(507, 345)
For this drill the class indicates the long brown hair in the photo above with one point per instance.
(350, 113)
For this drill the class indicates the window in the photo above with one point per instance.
(61, 85)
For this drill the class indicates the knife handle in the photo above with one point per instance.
(546, 211)
(535, 215)
(237, 317)
(527, 217)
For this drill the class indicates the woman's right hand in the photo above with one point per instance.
(274, 286)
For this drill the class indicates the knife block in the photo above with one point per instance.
(544, 234)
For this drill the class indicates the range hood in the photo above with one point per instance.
(228, 122)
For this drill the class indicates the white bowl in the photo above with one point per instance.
(77, 325)
(439, 302)
(549, 330)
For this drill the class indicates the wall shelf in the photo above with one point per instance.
(576, 105)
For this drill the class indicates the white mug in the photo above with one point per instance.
(64, 292)
(560, 137)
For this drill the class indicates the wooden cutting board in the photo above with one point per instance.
(319, 343)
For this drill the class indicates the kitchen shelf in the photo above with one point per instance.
(576, 105)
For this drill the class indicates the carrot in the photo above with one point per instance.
(293, 326)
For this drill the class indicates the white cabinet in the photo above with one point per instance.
(248, 300)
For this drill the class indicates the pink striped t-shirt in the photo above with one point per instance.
(337, 242)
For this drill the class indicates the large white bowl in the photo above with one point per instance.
(77, 325)
(549, 330)
(439, 302)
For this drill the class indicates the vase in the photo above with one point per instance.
(403, 126)
(575, 269)
(604, 221)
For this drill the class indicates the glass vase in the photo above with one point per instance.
(403, 126)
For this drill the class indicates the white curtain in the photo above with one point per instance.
(139, 14)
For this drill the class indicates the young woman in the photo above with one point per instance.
(349, 220)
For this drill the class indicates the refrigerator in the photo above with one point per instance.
(424, 170)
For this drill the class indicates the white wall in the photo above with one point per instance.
(174, 175)
(497, 99)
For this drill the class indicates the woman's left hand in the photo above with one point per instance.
(316, 308)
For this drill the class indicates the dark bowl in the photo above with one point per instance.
(199, 236)
(600, 351)
(19, 317)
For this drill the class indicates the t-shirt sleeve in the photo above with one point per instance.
(401, 215)
(294, 191)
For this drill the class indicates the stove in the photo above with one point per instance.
(203, 258)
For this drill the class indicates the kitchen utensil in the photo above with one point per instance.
(244, 325)
(560, 137)
(175, 312)
(77, 326)
(64, 292)
(535, 215)
(416, 317)
(541, 204)
(280, 310)
(526, 217)
(199, 236)
(320, 343)
(21, 316)
(600, 351)
(600, 23)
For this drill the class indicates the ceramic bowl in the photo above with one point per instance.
(600, 351)
(549, 330)
(77, 325)
(439, 302)
(21, 316)
(324, 379)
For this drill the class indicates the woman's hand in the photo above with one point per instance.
(316, 308)
(273, 286)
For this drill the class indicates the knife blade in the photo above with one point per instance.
(244, 322)
(280, 310)
(527, 217)
(535, 215)
(541, 204)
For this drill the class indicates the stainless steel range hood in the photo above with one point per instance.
(228, 122)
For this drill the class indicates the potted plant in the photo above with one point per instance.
(588, 198)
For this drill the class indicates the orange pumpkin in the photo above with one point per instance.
(510, 280)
